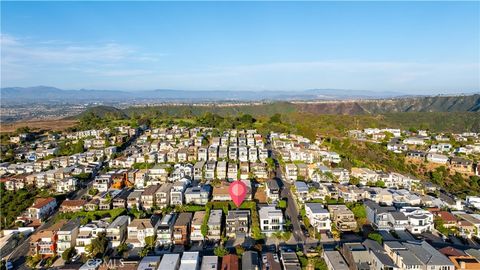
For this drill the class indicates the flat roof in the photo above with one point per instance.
(336, 259)
(148, 263)
(169, 261)
(209, 263)
(215, 217)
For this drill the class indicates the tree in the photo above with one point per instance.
(220, 251)
(376, 237)
(98, 246)
(380, 183)
(276, 118)
(239, 250)
(122, 248)
(354, 181)
(282, 204)
(68, 254)
(150, 241)
(93, 192)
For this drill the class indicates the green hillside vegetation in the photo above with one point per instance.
(308, 124)
(282, 117)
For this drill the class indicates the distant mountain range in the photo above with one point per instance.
(51, 94)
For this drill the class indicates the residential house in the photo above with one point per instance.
(197, 195)
(209, 263)
(251, 261)
(230, 262)
(221, 193)
(356, 256)
(198, 170)
(181, 229)
(149, 263)
(379, 259)
(222, 170)
(210, 167)
(72, 205)
(117, 231)
(212, 153)
(334, 260)
(461, 165)
(318, 216)
(417, 255)
(66, 185)
(134, 199)
(419, 220)
(416, 155)
(169, 261)
(342, 217)
(120, 201)
(270, 261)
(148, 197)
(45, 241)
(290, 260)
(238, 223)
(233, 152)
(190, 261)
(42, 208)
(162, 195)
(301, 190)
(140, 229)
(380, 216)
(67, 235)
(271, 220)
(232, 171)
(196, 228)
(177, 192)
(215, 224)
(437, 158)
(165, 229)
(202, 154)
(272, 190)
(102, 182)
(291, 172)
(244, 170)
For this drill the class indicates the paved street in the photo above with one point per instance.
(292, 211)
(20, 253)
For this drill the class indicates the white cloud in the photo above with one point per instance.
(111, 65)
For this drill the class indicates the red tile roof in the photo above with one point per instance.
(41, 202)
(73, 203)
(447, 216)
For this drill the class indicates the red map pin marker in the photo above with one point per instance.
(238, 191)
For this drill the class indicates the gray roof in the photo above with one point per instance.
(272, 184)
(135, 194)
(169, 261)
(250, 260)
(70, 225)
(215, 217)
(409, 258)
(394, 245)
(301, 186)
(316, 208)
(398, 216)
(209, 262)
(428, 254)
(474, 253)
(336, 259)
(119, 221)
(378, 208)
(183, 219)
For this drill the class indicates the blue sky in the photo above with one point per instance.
(411, 47)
